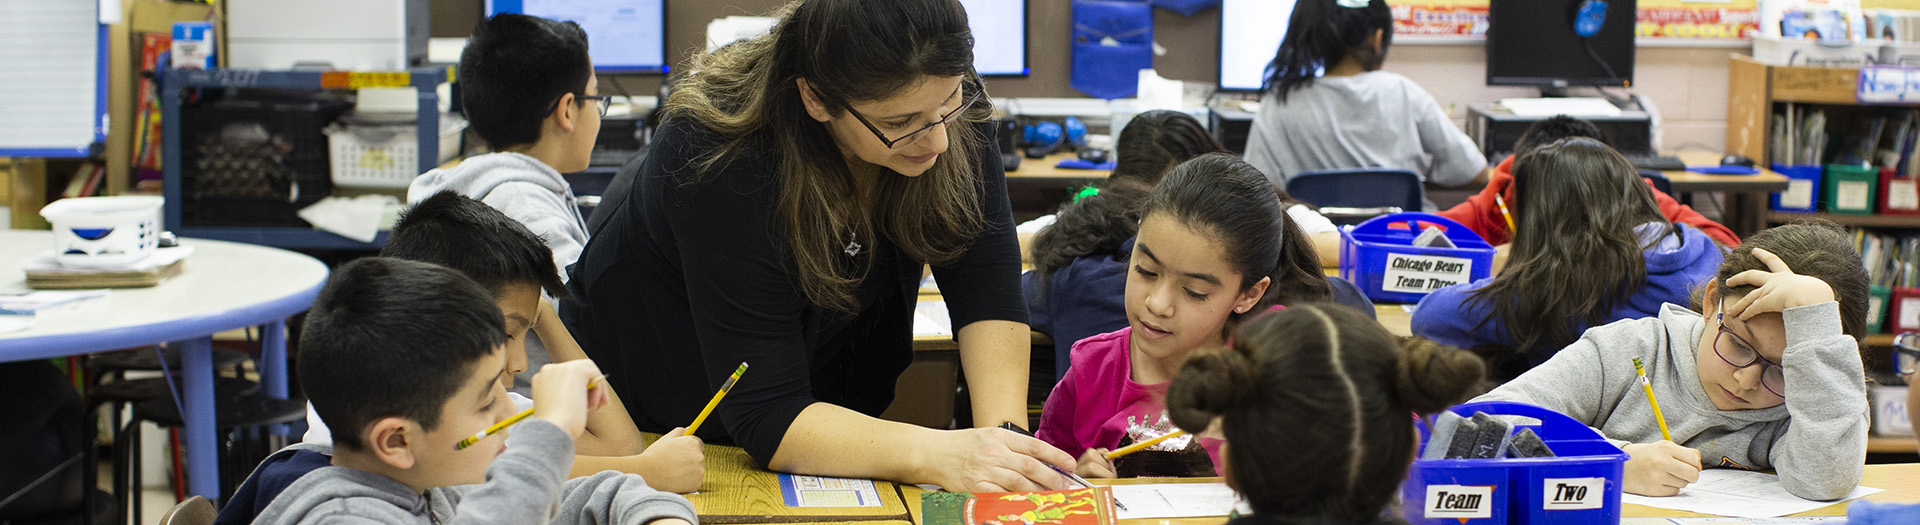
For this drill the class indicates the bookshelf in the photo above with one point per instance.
(1863, 221)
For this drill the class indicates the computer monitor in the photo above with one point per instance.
(623, 36)
(1250, 34)
(1535, 43)
(999, 36)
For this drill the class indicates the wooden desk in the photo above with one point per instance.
(1901, 483)
(1746, 204)
(1042, 170)
(911, 494)
(738, 491)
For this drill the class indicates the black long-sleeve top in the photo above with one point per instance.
(683, 282)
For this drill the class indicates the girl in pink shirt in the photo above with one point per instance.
(1214, 247)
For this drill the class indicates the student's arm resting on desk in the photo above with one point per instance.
(833, 441)
(615, 498)
(1823, 452)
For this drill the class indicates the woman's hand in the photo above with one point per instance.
(995, 460)
(1094, 464)
(1779, 288)
(1660, 468)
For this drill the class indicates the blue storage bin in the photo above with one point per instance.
(1803, 189)
(1581, 485)
(1379, 257)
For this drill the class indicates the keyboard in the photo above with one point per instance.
(613, 158)
(1655, 162)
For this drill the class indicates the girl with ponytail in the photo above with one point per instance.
(1328, 105)
(1214, 248)
(1320, 396)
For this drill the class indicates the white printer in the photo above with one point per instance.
(357, 35)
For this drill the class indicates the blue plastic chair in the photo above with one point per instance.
(1352, 195)
(1659, 180)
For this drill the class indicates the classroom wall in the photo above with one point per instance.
(1688, 85)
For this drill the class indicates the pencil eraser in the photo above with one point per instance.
(1527, 444)
(1492, 436)
(1461, 446)
(1442, 436)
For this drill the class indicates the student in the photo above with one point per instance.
(1869, 513)
(1353, 116)
(529, 90)
(1769, 377)
(1214, 248)
(1482, 214)
(1592, 249)
(1312, 404)
(409, 355)
(1080, 260)
(799, 183)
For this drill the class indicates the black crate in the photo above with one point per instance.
(256, 158)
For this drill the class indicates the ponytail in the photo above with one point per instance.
(1320, 35)
(1429, 376)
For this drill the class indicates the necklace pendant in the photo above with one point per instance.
(853, 249)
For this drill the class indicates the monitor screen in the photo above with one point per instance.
(999, 36)
(1533, 43)
(623, 36)
(1250, 34)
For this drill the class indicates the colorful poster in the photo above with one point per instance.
(1428, 18)
(1662, 19)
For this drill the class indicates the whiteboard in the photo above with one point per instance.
(52, 78)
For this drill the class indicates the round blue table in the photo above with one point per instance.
(224, 286)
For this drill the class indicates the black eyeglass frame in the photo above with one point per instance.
(1770, 370)
(1906, 344)
(602, 102)
(965, 103)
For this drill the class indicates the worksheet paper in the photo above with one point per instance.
(821, 491)
(1734, 521)
(1175, 500)
(1740, 494)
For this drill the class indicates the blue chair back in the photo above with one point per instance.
(1371, 189)
(1659, 180)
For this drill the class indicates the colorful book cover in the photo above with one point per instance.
(1092, 506)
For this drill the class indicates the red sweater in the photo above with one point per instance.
(1482, 215)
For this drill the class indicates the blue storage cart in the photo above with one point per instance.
(1379, 257)
(1582, 485)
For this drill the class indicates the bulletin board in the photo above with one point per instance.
(53, 99)
(1673, 20)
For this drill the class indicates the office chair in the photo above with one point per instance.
(1659, 180)
(1352, 195)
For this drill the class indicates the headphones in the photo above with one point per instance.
(1045, 137)
(1588, 17)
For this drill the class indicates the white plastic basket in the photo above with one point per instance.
(97, 232)
(383, 155)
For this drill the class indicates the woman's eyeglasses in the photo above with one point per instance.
(912, 136)
(1906, 353)
(1741, 354)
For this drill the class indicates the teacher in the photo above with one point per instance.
(798, 183)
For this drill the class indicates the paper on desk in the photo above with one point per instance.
(1740, 494)
(1175, 500)
(930, 318)
(821, 491)
(1735, 521)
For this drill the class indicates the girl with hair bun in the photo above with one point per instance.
(1321, 396)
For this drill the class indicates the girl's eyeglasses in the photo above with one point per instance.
(1741, 354)
(912, 136)
(1906, 353)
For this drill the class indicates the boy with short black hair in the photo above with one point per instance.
(502, 256)
(409, 356)
(528, 88)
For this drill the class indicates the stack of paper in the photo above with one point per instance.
(46, 273)
(1740, 494)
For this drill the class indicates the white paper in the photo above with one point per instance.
(1740, 494)
(1174, 500)
(930, 319)
(822, 491)
(11, 323)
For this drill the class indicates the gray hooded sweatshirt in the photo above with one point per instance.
(1817, 441)
(525, 485)
(523, 188)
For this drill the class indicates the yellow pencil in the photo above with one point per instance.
(1136, 447)
(1657, 416)
(1503, 211)
(510, 421)
(724, 388)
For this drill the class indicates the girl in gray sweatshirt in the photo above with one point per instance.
(1769, 378)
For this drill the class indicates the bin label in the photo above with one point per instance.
(1573, 493)
(1902, 195)
(1408, 273)
(1459, 501)
(1853, 195)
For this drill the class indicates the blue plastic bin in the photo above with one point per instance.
(1580, 486)
(1379, 257)
(1803, 189)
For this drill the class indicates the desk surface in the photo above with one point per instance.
(1042, 169)
(223, 286)
(1685, 181)
(738, 491)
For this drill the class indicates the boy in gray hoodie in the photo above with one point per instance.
(1769, 378)
(528, 89)
(408, 355)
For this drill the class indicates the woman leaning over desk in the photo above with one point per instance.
(798, 183)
